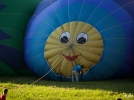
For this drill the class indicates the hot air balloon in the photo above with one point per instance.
(14, 16)
(98, 34)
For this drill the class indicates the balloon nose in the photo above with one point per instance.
(71, 45)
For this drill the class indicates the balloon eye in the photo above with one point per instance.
(82, 38)
(64, 38)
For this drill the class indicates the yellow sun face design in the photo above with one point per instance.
(71, 44)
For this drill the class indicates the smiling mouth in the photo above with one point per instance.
(72, 58)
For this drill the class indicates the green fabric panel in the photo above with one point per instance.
(15, 42)
(6, 70)
(13, 21)
(16, 22)
(14, 18)
(20, 6)
(25, 72)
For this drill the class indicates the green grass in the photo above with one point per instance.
(20, 88)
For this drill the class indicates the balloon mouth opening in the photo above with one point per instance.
(71, 58)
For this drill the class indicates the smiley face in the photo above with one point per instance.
(73, 43)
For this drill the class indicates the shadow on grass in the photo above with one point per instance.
(122, 85)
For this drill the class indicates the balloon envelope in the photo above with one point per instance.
(95, 33)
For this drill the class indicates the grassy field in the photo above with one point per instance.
(20, 88)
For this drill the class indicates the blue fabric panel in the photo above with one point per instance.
(63, 78)
(33, 24)
(98, 16)
(129, 29)
(35, 63)
(45, 68)
(53, 76)
(66, 79)
(88, 76)
(117, 47)
(118, 55)
(36, 56)
(37, 46)
(29, 24)
(113, 35)
(2, 6)
(44, 29)
(44, 4)
(95, 73)
(4, 35)
(130, 45)
(129, 59)
(99, 71)
(12, 57)
(74, 12)
(124, 71)
(63, 15)
(52, 20)
(86, 12)
(75, 1)
(38, 39)
(36, 49)
(108, 56)
(108, 67)
(127, 8)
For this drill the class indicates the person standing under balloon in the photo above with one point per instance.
(76, 71)
(3, 96)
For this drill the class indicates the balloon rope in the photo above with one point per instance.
(46, 73)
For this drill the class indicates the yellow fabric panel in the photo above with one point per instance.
(55, 64)
(85, 70)
(53, 52)
(76, 61)
(51, 46)
(92, 32)
(54, 41)
(58, 71)
(85, 63)
(89, 53)
(59, 30)
(86, 28)
(94, 50)
(95, 37)
(73, 26)
(73, 62)
(64, 66)
(50, 60)
(79, 27)
(55, 35)
(89, 56)
(69, 69)
(66, 27)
